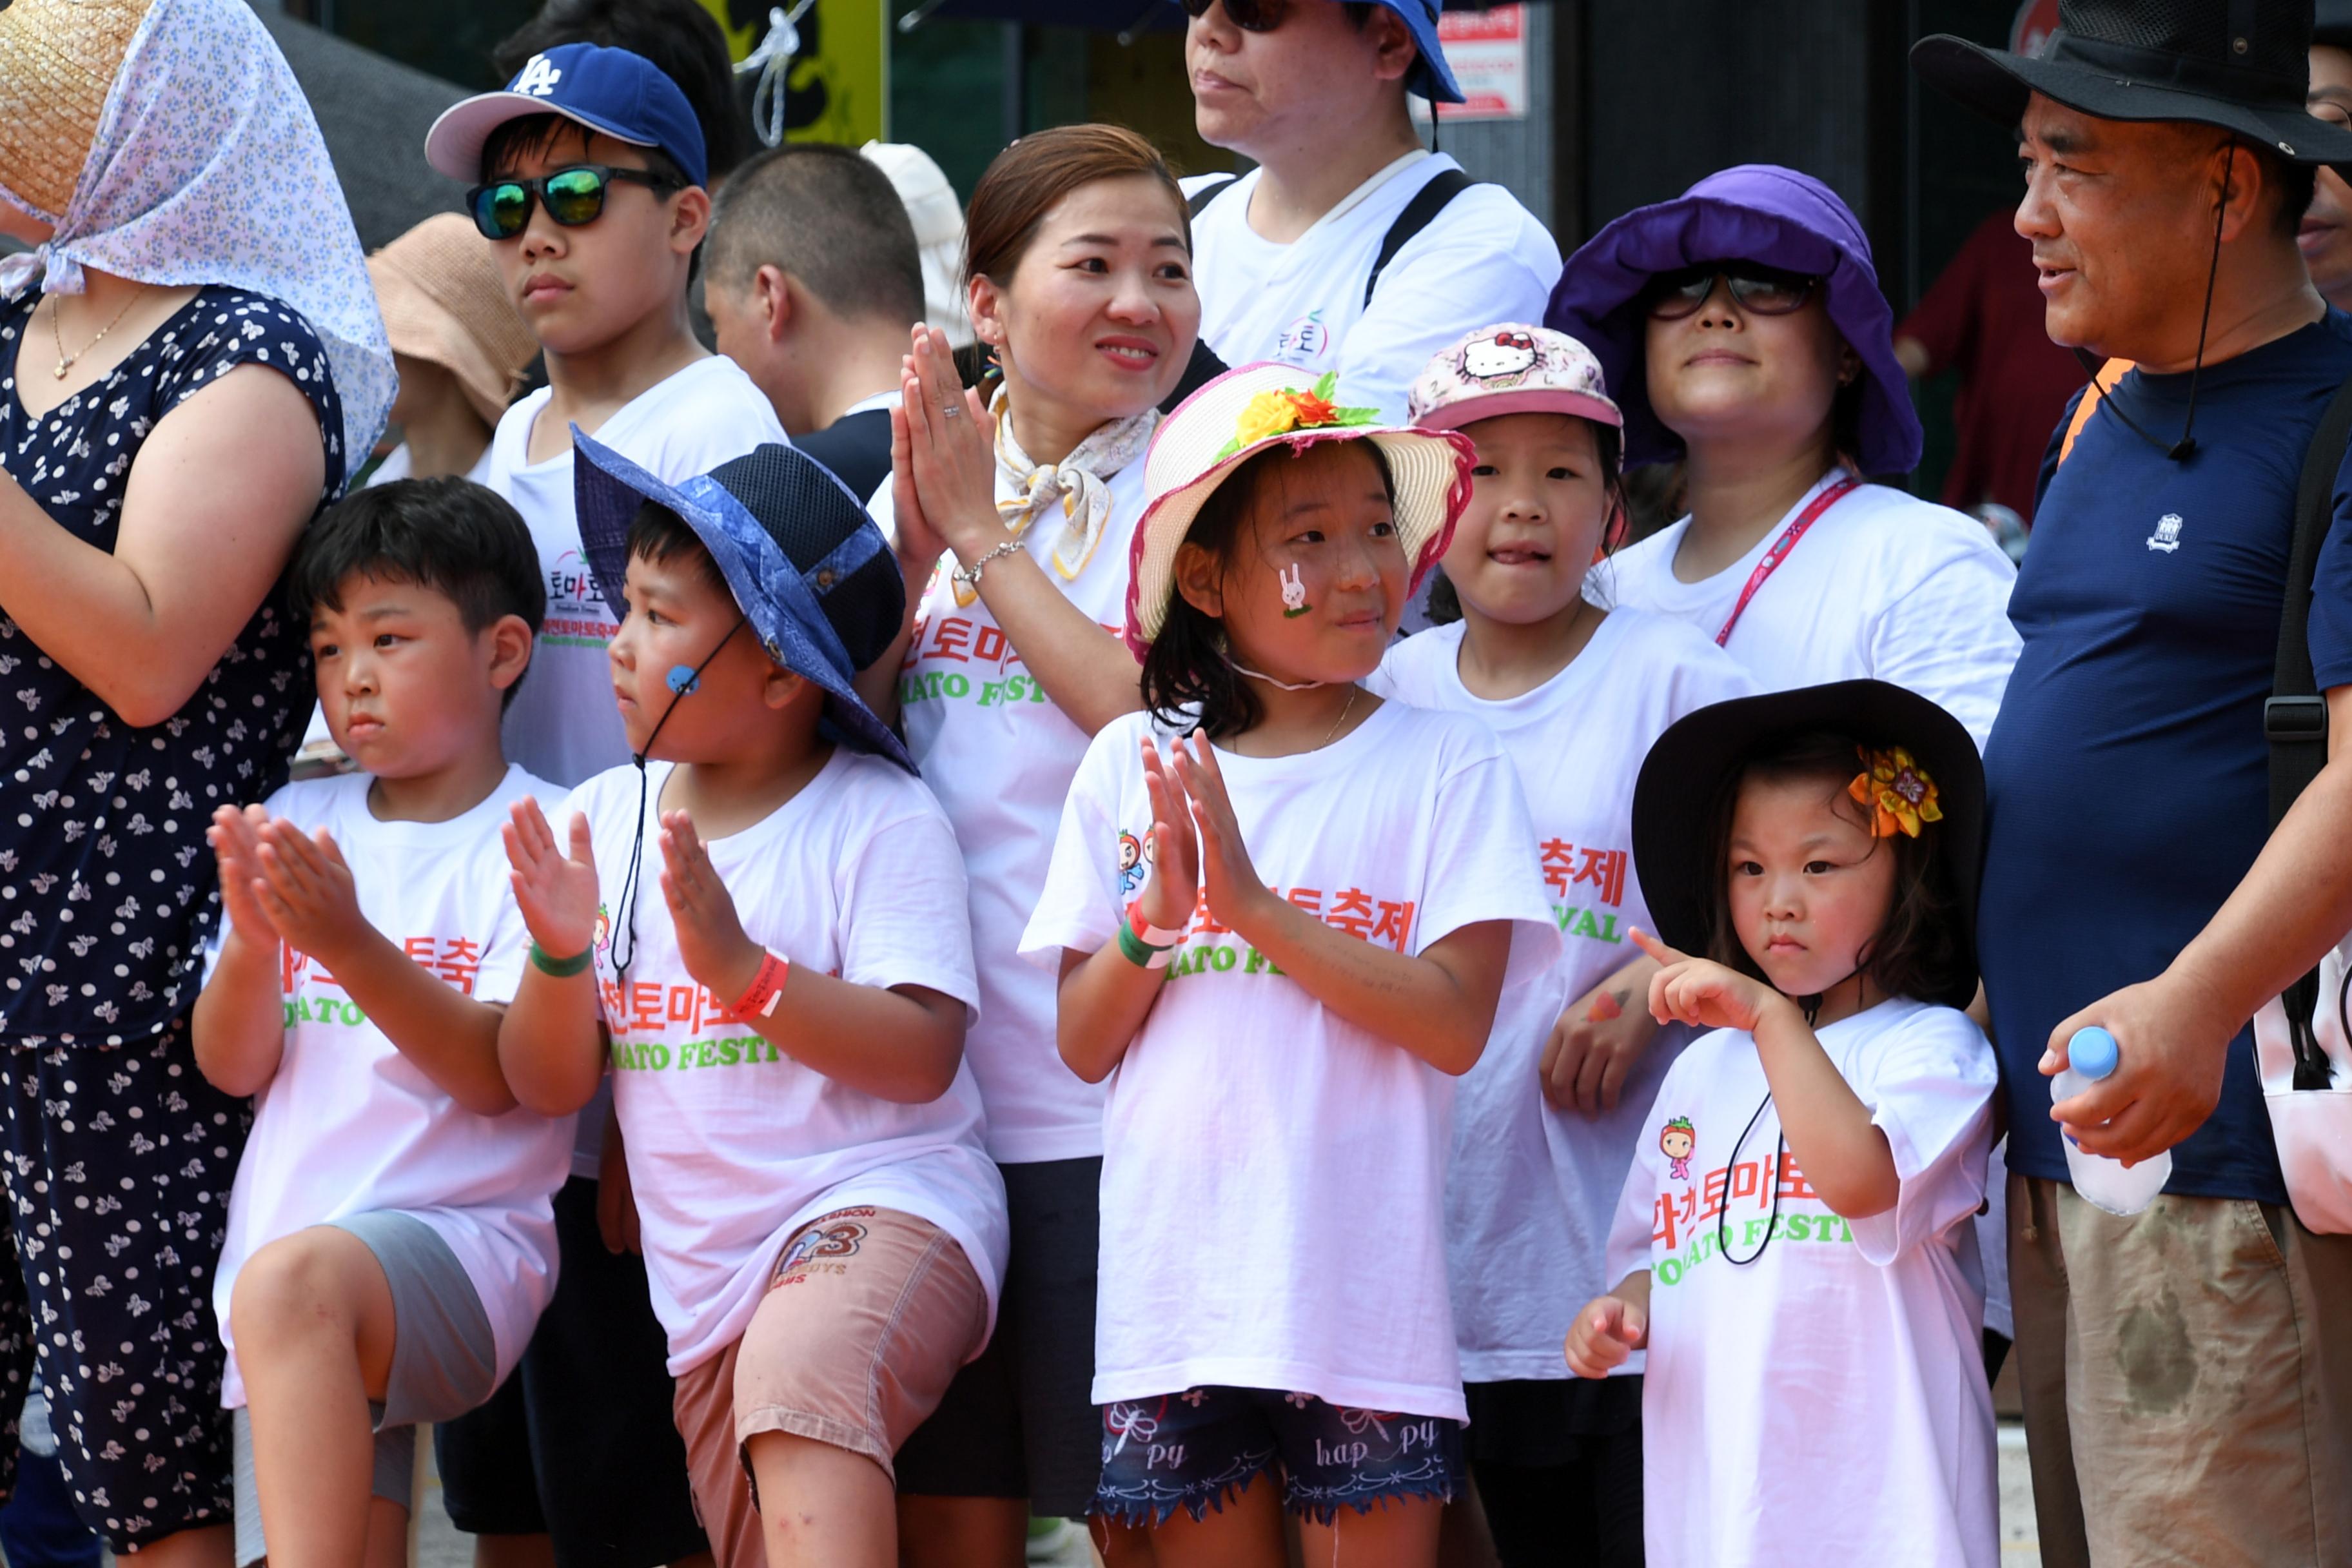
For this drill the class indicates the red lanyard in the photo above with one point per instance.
(1781, 548)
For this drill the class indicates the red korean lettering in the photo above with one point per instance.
(1662, 1228)
(683, 1006)
(1395, 925)
(645, 1008)
(952, 638)
(420, 950)
(459, 961)
(1744, 1180)
(1715, 1184)
(989, 646)
(1559, 865)
(1352, 911)
(610, 998)
(1308, 898)
(716, 1013)
(1689, 1210)
(1605, 870)
(1203, 923)
(1792, 1181)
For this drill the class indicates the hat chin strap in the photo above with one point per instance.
(678, 690)
(2180, 450)
(1241, 668)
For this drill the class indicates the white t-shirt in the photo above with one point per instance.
(732, 1145)
(1825, 1403)
(348, 1125)
(1482, 259)
(1273, 1186)
(564, 723)
(1531, 1190)
(1000, 756)
(1882, 585)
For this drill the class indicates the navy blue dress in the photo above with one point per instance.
(116, 1157)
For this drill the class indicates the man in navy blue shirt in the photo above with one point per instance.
(2129, 883)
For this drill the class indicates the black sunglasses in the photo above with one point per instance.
(1249, 15)
(573, 196)
(1765, 290)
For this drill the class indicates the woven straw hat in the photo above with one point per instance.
(57, 60)
(444, 300)
(1239, 415)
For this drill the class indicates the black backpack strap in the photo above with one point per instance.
(1426, 203)
(2295, 720)
(1207, 193)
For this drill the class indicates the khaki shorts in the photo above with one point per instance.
(868, 1316)
(2188, 1382)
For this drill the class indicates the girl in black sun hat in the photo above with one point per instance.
(1793, 1243)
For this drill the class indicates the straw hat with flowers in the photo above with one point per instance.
(1245, 411)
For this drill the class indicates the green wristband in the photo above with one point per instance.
(1134, 949)
(561, 968)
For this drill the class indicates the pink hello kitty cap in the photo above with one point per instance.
(1511, 369)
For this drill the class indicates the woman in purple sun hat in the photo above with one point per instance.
(1742, 328)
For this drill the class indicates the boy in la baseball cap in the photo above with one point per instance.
(588, 172)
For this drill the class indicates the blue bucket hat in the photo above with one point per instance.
(1431, 76)
(811, 572)
(1759, 213)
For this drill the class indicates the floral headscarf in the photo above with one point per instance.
(208, 168)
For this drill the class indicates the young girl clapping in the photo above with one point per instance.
(1335, 890)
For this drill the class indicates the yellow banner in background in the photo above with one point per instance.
(839, 86)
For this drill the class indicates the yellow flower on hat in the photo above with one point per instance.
(1281, 410)
(1897, 790)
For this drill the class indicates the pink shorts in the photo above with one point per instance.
(868, 1316)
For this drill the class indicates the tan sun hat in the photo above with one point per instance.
(1239, 415)
(57, 60)
(444, 300)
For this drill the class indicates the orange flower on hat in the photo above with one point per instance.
(1282, 410)
(1898, 792)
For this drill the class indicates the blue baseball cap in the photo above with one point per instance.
(1431, 76)
(623, 95)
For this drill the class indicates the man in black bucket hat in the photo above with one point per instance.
(2187, 1371)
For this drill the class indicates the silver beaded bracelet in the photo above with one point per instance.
(970, 576)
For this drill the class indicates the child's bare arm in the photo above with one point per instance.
(1438, 1004)
(1843, 1153)
(550, 1044)
(1105, 996)
(1611, 1327)
(239, 1032)
(453, 1039)
(901, 1044)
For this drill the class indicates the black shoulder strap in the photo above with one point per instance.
(2295, 720)
(1207, 193)
(1426, 203)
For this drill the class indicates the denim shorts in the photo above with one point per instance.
(1191, 1451)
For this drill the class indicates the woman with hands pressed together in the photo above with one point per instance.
(1013, 507)
(1793, 1243)
(1283, 911)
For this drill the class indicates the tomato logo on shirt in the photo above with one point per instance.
(1304, 341)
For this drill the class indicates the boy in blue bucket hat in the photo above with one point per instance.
(760, 925)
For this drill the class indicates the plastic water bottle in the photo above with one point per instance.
(2104, 1183)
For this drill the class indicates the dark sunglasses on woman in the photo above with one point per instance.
(573, 196)
(1764, 290)
(1249, 15)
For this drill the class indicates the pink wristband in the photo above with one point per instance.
(767, 988)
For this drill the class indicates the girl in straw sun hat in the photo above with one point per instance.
(1337, 888)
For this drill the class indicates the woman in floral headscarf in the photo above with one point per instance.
(189, 360)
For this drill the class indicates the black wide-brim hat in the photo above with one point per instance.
(1683, 778)
(2240, 65)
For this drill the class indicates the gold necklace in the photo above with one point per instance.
(1346, 709)
(66, 362)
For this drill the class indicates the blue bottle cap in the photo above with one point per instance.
(2091, 1052)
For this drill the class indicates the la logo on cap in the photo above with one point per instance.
(539, 77)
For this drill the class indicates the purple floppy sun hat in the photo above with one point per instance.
(1756, 212)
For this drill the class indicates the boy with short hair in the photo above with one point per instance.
(391, 1243)
(592, 167)
(814, 280)
(763, 928)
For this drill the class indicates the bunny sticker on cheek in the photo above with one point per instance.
(1293, 592)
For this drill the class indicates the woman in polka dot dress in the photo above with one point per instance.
(186, 359)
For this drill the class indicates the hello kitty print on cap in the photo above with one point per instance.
(1511, 368)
